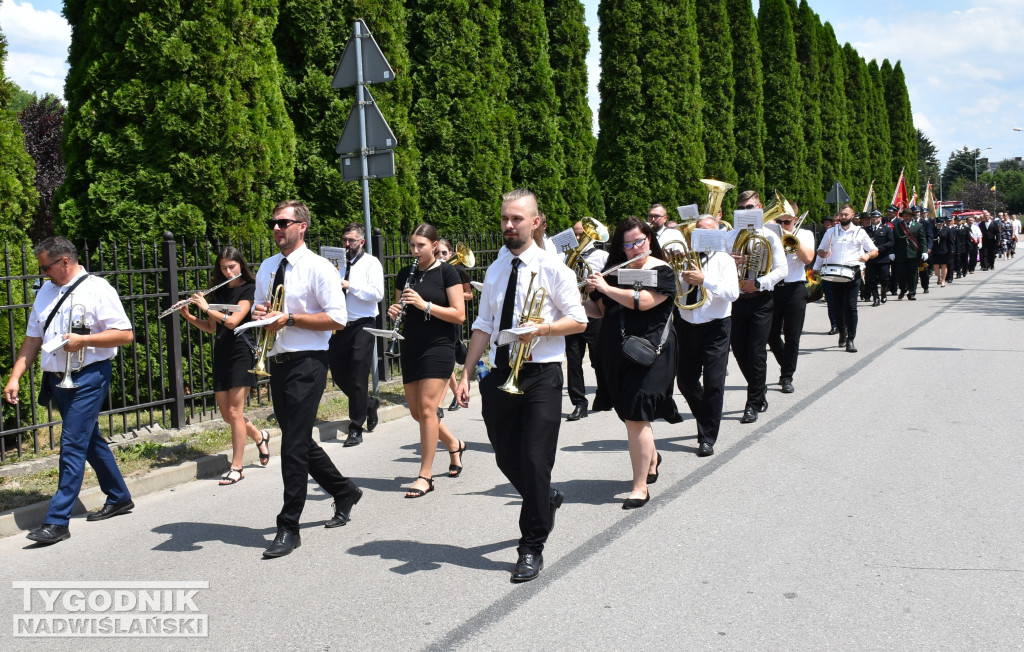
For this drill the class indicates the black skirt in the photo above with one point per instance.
(232, 360)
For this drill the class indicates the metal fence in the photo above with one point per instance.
(165, 376)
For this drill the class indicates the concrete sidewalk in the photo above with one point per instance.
(877, 507)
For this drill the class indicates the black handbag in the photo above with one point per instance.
(639, 350)
(461, 351)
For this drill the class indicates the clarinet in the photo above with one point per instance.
(393, 346)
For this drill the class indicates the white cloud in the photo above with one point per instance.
(37, 47)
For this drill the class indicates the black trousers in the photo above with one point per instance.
(846, 304)
(523, 429)
(877, 274)
(790, 301)
(350, 357)
(575, 345)
(751, 322)
(894, 275)
(988, 255)
(972, 257)
(703, 351)
(961, 263)
(925, 276)
(829, 304)
(906, 274)
(296, 386)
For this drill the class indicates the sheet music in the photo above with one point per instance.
(565, 240)
(746, 218)
(688, 212)
(241, 328)
(510, 335)
(706, 240)
(54, 345)
(225, 307)
(337, 256)
(647, 278)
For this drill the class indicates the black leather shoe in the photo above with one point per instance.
(926, 290)
(842, 339)
(110, 510)
(884, 298)
(371, 413)
(763, 407)
(850, 348)
(705, 449)
(911, 298)
(876, 303)
(343, 508)
(578, 412)
(749, 415)
(635, 503)
(355, 437)
(454, 405)
(787, 385)
(527, 568)
(49, 534)
(556, 501)
(902, 294)
(833, 331)
(283, 544)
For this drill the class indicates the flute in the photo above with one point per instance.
(184, 302)
(608, 271)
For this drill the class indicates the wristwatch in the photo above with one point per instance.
(291, 320)
(757, 283)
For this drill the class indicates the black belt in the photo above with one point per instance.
(290, 356)
(784, 283)
(529, 365)
(356, 322)
(753, 295)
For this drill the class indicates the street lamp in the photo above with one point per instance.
(976, 163)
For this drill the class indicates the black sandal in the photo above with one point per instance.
(419, 493)
(226, 479)
(455, 470)
(264, 458)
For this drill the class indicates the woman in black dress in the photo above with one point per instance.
(232, 355)
(432, 293)
(939, 257)
(638, 394)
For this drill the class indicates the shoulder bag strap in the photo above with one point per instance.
(53, 313)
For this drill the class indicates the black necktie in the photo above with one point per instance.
(691, 296)
(278, 277)
(507, 308)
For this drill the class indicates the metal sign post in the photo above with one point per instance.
(837, 195)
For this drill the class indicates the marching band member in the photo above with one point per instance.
(576, 344)
(851, 247)
(657, 217)
(72, 292)
(789, 301)
(523, 428)
(704, 341)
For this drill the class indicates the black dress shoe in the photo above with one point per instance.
(355, 437)
(763, 406)
(371, 413)
(454, 405)
(705, 449)
(876, 303)
(787, 385)
(902, 294)
(911, 298)
(527, 568)
(884, 298)
(850, 348)
(833, 330)
(578, 412)
(842, 339)
(556, 501)
(343, 508)
(749, 415)
(283, 544)
(110, 510)
(49, 534)
(635, 503)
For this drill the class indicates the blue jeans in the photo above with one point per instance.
(81, 441)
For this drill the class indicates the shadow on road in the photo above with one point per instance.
(417, 556)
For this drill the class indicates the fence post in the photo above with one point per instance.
(173, 332)
(377, 245)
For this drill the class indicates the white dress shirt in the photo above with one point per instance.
(596, 258)
(563, 298)
(976, 233)
(365, 287)
(779, 265)
(846, 245)
(311, 285)
(666, 236)
(721, 283)
(795, 273)
(103, 311)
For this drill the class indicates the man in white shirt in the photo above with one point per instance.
(703, 340)
(351, 348)
(850, 247)
(790, 301)
(657, 217)
(576, 345)
(523, 428)
(752, 312)
(314, 305)
(84, 311)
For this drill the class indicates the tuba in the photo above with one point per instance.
(531, 312)
(463, 256)
(266, 340)
(716, 193)
(593, 231)
(682, 258)
(75, 361)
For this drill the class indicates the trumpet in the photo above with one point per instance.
(184, 302)
(531, 313)
(463, 256)
(614, 268)
(683, 259)
(266, 340)
(75, 361)
(593, 231)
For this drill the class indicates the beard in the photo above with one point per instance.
(513, 241)
(845, 221)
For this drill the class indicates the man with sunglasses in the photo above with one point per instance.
(73, 295)
(789, 299)
(657, 217)
(314, 305)
(351, 348)
(752, 313)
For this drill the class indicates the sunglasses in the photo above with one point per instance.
(748, 207)
(785, 221)
(636, 243)
(281, 224)
(46, 268)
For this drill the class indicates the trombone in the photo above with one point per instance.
(531, 313)
(266, 340)
(75, 361)
(683, 259)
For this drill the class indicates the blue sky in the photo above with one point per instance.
(961, 59)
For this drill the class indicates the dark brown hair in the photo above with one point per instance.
(616, 254)
(234, 254)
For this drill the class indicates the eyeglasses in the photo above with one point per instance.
(281, 224)
(45, 268)
(344, 240)
(636, 243)
(655, 216)
(747, 207)
(785, 221)
(442, 252)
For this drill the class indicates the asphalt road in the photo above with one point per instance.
(878, 507)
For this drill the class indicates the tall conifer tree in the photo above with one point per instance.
(857, 88)
(175, 119)
(878, 135)
(569, 43)
(18, 195)
(718, 90)
(901, 126)
(835, 145)
(807, 31)
(749, 105)
(784, 150)
(538, 161)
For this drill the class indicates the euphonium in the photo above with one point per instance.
(758, 252)
(531, 312)
(266, 340)
(74, 362)
(593, 231)
(682, 259)
(463, 256)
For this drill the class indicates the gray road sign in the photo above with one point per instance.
(378, 164)
(378, 133)
(837, 195)
(376, 68)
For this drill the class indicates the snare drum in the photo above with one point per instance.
(838, 273)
